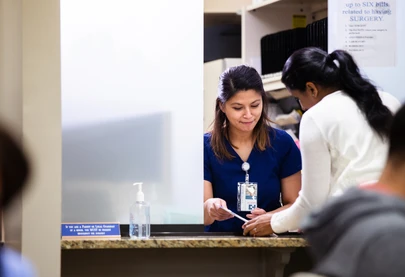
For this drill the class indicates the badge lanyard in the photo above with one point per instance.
(247, 192)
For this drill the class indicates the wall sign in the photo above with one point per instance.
(367, 30)
(91, 230)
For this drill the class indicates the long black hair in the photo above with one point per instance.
(396, 152)
(233, 80)
(338, 70)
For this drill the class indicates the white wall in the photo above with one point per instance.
(30, 104)
(11, 98)
(41, 208)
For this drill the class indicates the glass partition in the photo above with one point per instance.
(132, 109)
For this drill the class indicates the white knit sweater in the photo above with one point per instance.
(339, 150)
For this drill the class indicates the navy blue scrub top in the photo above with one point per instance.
(267, 168)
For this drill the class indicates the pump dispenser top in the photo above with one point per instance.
(139, 195)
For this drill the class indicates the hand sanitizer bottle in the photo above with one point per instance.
(139, 219)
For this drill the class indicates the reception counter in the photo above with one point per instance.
(180, 256)
(188, 242)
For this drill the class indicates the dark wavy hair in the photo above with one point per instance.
(232, 81)
(14, 167)
(315, 65)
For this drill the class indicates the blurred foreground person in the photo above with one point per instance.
(14, 172)
(362, 233)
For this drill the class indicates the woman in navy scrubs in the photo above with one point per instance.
(241, 133)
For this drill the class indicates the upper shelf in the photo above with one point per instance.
(274, 3)
(272, 82)
(272, 85)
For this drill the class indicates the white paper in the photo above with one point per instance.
(367, 30)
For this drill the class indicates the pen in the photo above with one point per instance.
(238, 216)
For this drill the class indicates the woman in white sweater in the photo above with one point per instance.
(343, 133)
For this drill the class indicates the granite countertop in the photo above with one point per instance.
(187, 242)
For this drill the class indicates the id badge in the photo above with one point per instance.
(247, 196)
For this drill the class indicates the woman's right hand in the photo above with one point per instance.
(212, 207)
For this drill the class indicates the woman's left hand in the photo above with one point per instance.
(259, 226)
(255, 213)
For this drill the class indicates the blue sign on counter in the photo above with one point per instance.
(91, 230)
